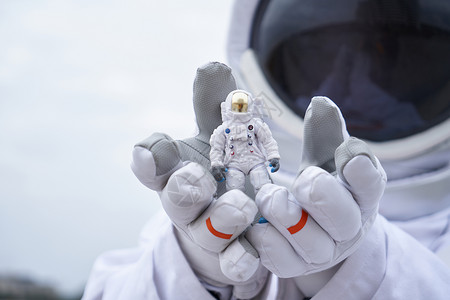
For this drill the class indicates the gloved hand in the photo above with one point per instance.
(275, 164)
(331, 206)
(208, 227)
(218, 173)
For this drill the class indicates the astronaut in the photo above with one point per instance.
(348, 219)
(242, 144)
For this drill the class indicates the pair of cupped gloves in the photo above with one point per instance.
(312, 226)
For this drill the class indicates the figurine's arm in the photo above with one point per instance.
(267, 141)
(217, 142)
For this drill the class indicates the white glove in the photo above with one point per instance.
(332, 204)
(209, 227)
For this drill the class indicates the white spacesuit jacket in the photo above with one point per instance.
(157, 269)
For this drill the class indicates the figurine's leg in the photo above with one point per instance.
(259, 177)
(235, 179)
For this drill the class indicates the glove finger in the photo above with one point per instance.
(223, 221)
(187, 194)
(324, 130)
(362, 172)
(283, 212)
(329, 203)
(213, 82)
(239, 261)
(275, 252)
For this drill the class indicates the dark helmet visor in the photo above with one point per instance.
(388, 71)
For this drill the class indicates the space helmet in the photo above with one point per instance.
(385, 63)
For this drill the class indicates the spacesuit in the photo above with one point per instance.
(242, 144)
(360, 220)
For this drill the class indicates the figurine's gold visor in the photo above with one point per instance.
(239, 102)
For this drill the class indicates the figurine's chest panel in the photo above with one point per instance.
(242, 143)
(237, 132)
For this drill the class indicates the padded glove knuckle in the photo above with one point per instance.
(164, 150)
(349, 149)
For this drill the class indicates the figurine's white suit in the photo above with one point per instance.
(243, 144)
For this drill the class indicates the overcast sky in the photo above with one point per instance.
(80, 83)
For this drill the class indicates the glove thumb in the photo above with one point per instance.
(324, 130)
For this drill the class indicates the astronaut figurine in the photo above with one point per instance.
(242, 144)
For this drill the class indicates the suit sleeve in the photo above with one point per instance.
(266, 140)
(217, 142)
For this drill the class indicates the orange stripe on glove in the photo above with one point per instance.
(299, 226)
(215, 232)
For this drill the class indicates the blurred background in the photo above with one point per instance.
(80, 83)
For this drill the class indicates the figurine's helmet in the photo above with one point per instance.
(386, 64)
(239, 102)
